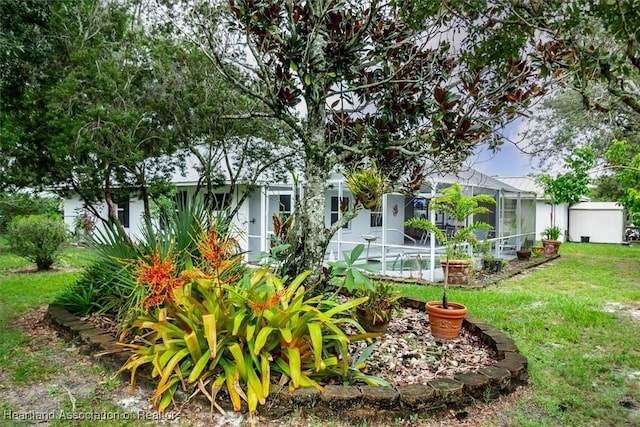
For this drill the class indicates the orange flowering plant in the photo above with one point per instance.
(208, 328)
(159, 277)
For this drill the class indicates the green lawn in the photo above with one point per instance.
(20, 292)
(584, 360)
(572, 318)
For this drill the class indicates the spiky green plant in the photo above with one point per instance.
(367, 184)
(239, 335)
(112, 276)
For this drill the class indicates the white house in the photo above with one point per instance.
(392, 249)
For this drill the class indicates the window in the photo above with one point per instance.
(284, 201)
(180, 199)
(221, 201)
(376, 216)
(123, 210)
(339, 205)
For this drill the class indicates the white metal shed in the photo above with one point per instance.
(601, 222)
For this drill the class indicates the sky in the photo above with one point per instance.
(509, 160)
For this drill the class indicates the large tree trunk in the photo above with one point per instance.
(311, 230)
(311, 234)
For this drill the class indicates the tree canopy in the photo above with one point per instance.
(117, 104)
(596, 98)
(412, 87)
(625, 158)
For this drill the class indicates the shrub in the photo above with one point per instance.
(112, 277)
(20, 204)
(239, 335)
(38, 238)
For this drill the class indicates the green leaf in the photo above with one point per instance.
(199, 367)
(355, 253)
(168, 369)
(261, 339)
(251, 328)
(241, 364)
(238, 321)
(209, 324)
(191, 340)
(293, 353)
(315, 332)
(286, 334)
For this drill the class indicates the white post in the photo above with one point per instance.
(340, 195)
(432, 238)
(264, 227)
(384, 234)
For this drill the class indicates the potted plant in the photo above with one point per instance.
(490, 262)
(537, 249)
(550, 242)
(375, 314)
(523, 254)
(350, 278)
(445, 318)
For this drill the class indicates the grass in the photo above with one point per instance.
(584, 361)
(24, 360)
(571, 318)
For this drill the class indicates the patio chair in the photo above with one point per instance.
(481, 234)
(509, 245)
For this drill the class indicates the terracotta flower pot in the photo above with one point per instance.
(551, 247)
(524, 254)
(372, 323)
(459, 271)
(445, 324)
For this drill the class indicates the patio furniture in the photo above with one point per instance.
(509, 245)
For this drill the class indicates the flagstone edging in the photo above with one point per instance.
(352, 401)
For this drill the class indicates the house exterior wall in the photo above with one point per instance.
(543, 218)
(602, 222)
(73, 207)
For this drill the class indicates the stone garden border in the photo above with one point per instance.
(356, 401)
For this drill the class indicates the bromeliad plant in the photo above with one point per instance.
(209, 329)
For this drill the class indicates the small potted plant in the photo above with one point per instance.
(490, 262)
(350, 278)
(537, 249)
(550, 236)
(523, 254)
(375, 314)
(445, 318)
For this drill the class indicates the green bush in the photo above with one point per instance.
(214, 331)
(39, 238)
(20, 204)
